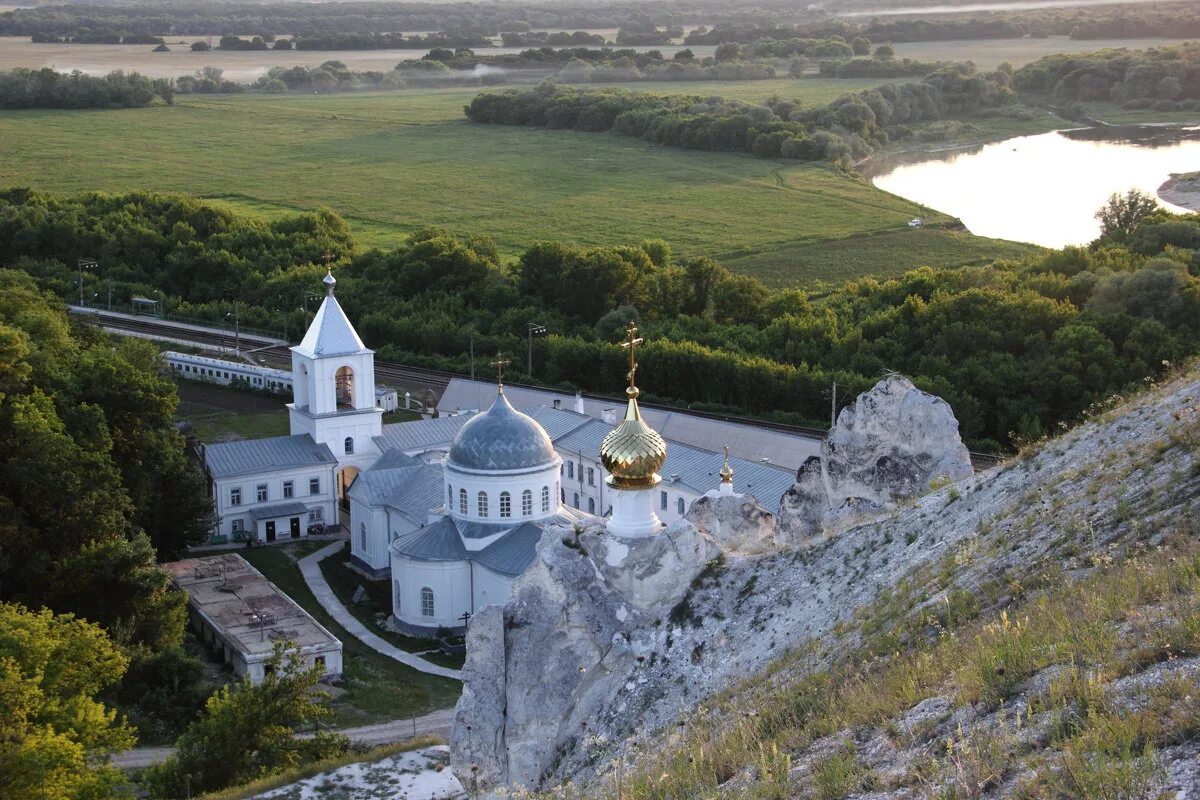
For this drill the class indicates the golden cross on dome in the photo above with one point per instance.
(631, 345)
(500, 363)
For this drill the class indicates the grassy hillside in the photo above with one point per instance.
(393, 163)
(1032, 632)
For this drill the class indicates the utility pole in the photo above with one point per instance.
(833, 406)
(237, 329)
(533, 328)
(82, 264)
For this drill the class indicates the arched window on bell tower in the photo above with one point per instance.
(343, 386)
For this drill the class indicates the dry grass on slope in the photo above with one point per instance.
(1076, 674)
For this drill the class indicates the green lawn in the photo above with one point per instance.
(377, 688)
(221, 414)
(394, 162)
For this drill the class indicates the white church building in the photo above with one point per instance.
(451, 509)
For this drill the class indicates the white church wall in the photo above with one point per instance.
(491, 588)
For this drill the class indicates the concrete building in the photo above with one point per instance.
(237, 612)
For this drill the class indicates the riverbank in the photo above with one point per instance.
(1182, 189)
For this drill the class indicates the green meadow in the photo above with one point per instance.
(392, 163)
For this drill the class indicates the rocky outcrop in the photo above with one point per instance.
(580, 621)
(736, 521)
(893, 444)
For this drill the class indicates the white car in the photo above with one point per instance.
(914, 223)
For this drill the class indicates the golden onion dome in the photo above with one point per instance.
(726, 470)
(632, 453)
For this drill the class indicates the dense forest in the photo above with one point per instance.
(1016, 347)
(853, 125)
(1163, 78)
(95, 491)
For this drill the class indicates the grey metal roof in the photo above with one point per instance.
(415, 489)
(422, 433)
(699, 471)
(502, 438)
(586, 439)
(557, 421)
(330, 333)
(437, 542)
(512, 553)
(288, 508)
(745, 441)
(252, 456)
(393, 459)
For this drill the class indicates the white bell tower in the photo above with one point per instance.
(333, 378)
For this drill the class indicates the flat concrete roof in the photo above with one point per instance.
(245, 609)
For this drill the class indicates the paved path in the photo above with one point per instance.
(437, 723)
(310, 568)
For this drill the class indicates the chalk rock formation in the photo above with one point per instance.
(553, 657)
(886, 447)
(737, 521)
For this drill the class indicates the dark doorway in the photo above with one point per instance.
(295, 527)
(271, 531)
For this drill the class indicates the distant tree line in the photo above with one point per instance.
(637, 24)
(1170, 20)
(545, 38)
(45, 88)
(97, 38)
(1016, 347)
(853, 125)
(1163, 78)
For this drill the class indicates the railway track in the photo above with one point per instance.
(273, 354)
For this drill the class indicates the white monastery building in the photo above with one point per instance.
(453, 508)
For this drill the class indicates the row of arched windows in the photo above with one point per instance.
(506, 510)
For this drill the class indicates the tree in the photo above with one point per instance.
(55, 736)
(1119, 217)
(729, 51)
(201, 47)
(247, 731)
(885, 52)
(861, 46)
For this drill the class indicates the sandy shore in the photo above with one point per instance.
(1182, 189)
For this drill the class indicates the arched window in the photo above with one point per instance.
(576, 503)
(526, 503)
(545, 498)
(483, 509)
(505, 504)
(570, 469)
(591, 505)
(343, 387)
(679, 505)
(426, 601)
(449, 496)
(362, 535)
(396, 595)
(349, 445)
(462, 501)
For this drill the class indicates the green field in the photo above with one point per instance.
(395, 162)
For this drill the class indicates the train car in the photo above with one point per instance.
(227, 373)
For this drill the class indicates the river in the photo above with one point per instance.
(1043, 189)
